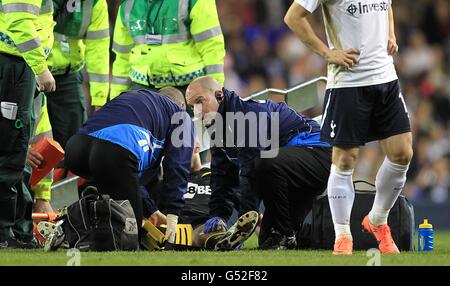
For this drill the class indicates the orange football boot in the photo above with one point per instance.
(382, 234)
(343, 246)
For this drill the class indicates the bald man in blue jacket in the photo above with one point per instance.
(260, 150)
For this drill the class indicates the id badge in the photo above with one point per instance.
(65, 47)
(151, 39)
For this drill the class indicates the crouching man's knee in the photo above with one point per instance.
(265, 167)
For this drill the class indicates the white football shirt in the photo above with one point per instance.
(359, 24)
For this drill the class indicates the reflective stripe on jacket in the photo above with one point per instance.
(190, 37)
(26, 30)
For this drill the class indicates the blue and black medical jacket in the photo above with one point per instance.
(154, 129)
(232, 165)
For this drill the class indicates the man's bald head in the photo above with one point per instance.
(175, 94)
(203, 95)
(206, 83)
(205, 86)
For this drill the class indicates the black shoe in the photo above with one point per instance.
(278, 241)
(14, 243)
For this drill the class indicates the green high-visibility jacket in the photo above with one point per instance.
(82, 38)
(26, 30)
(166, 43)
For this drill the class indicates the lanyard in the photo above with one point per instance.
(156, 17)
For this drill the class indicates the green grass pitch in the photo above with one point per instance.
(245, 257)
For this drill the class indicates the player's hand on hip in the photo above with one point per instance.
(46, 82)
(214, 224)
(392, 46)
(346, 58)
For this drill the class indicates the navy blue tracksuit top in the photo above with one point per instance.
(232, 166)
(140, 121)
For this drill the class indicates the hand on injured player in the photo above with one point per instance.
(215, 224)
(171, 229)
(158, 218)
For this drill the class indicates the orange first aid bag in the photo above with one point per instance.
(52, 152)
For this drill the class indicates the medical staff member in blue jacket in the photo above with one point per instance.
(122, 145)
(276, 156)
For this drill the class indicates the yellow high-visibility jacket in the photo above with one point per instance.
(82, 38)
(166, 43)
(26, 30)
(43, 189)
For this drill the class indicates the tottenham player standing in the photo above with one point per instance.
(363, 103)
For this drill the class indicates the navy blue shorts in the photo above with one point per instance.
(354, 116)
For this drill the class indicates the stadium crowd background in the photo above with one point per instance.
(262, 52)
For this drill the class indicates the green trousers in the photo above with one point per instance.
(17, 85)
(66, 107)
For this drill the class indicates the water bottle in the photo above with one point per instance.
(425, 236)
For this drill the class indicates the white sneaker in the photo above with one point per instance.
(53, 234)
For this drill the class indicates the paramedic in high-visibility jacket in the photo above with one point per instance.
(81, 40)
(163, 43)
(123, 144)
(26, 37)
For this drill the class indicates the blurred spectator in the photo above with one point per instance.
(418, 57)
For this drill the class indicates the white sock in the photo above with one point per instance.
(341, 195)
(342, 229)
(378, 216)
(389, 183)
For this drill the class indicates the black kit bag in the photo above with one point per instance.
(400, 220)
(98, 223)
